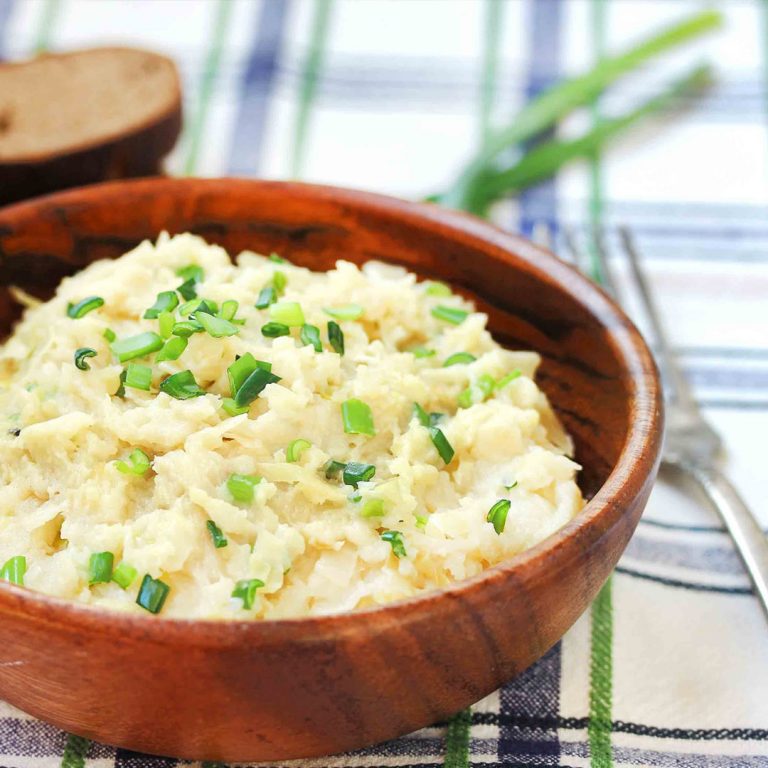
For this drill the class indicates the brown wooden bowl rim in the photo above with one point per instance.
(637, 460)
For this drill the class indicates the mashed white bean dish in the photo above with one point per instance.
(187, 436)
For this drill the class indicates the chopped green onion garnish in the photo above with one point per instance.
(345, 312)
(512, 485)
(356, 497)
(166, 321)
(228, 404)
(440, 441)
(252, 387)
(287, 312)
(335, 337)
(191, 272)
(295, 449)
(121, 387)
(332, 468)
(109, 334)
(166, 301)
(395, 539)
(310, 334)
(421, 521)
(152, 594)
(436, 288)
(279, 281)
(14, 570)
(497, 514)
(136, 346)
(267, 296)
(172, 349)
(242, 368)
(188, 307)
(245, 589)
(82, 308)
(80, 358)
(124, 575)
(216, 326)
(421, 415)
(459, 358)
(219, 539)
(273, 330)
(486, 384)
(509, 378)
(450, 314)
(465, 398)
(229, 309)
(419, 352)
(241, 487)
(138, 376)
(355, 473)
(277, 259)
(357, 417)
(182, 386)
(373, 508)
(100, 567)
(188, 289)
(138, 463)
(186, 328)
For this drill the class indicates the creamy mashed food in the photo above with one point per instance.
(416, 455)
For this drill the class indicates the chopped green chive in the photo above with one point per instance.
(436, 288)
(332, 468)
(14, 570)
(191, 272)
(166, 301)
(465, 398)
(356, 472)
(357, 417)
(497, 514)
(245, 589)
(310, 335)
(279, 281)
(486, 384)
(204, 306)
(420, 352)
(509, 378)
(229, 309)
(219, 539)
(152, 594)
(82, 308)
(273, 330)
(80, 358)
(373, 508)
(100, 567)
(186, 328)
(188, 289)
(266, 297)
(138, 376)
(512, 485)
(395, 539)
(459, 358)
(172, 349)
(124, 575)
(277, 259)
(295, 449)
(166, 321)
(421, 415)
(421, 521)
(440, 441)
(241, 487)
(252, 387)
(287, 312)
(182, 386)
(109, 335)
(216, 326)
(138, 463)
(231, 409)
(335, 337)
(450, 314)
(136, 346)
(241, 369)
(121, 386)
(345, 312)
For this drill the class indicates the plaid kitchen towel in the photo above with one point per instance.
(670, 666)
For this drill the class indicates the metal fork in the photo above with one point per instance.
(691, 445)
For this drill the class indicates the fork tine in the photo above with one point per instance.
(679, 389)
(605, 273)
(575, 253)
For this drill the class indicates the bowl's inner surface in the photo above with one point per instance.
(581, 371)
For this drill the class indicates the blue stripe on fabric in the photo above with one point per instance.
(6, 9)
(539, 203)
(30, 738)
(251, 122)
(124, 758)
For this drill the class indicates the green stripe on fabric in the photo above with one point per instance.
(210, 73)
(601, 680)
(75, 751)
(457, 740)
(309, 76)
(494, 23)
(49, 13)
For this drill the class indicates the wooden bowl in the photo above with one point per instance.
(268, 690)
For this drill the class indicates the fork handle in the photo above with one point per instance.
(751, 542)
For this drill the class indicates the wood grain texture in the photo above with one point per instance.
(295, 688)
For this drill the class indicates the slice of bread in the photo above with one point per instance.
(76, 118)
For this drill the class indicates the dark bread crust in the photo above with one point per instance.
(133, 153)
